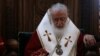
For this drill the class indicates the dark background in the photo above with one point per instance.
(25, 15)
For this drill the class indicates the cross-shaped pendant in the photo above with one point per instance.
(47, 35)
(68, 40)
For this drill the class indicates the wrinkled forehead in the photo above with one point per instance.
(58, 10)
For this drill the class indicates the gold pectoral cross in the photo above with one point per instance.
(47, 34)
(68, 40)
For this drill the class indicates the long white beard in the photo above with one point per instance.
(58, 32)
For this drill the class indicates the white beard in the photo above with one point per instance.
(58, 32)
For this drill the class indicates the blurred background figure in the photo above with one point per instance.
(2, 47)
(11, 47)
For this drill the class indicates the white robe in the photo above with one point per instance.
(50, 46)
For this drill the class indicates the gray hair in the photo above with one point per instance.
(56, 7)
(59, 6)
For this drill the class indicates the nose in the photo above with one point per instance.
(59, 23)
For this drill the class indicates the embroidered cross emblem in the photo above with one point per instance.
(47, 34)
(68, 40)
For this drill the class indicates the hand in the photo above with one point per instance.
(40, 52)
(89, 40)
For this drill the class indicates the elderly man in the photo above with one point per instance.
(56, 35)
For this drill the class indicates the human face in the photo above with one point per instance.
(59, 19)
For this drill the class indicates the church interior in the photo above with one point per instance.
(20, 18)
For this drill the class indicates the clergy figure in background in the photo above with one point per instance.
(57, 35)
